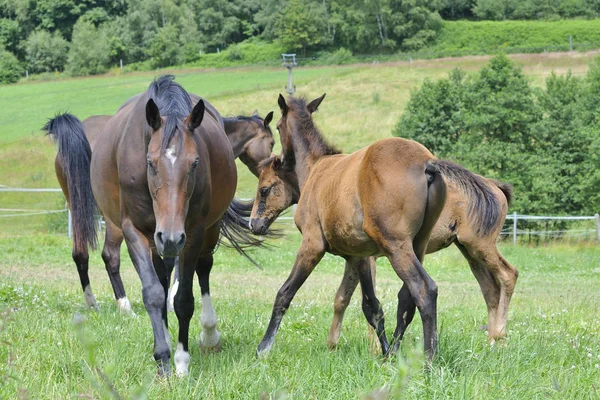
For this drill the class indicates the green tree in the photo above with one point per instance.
(90, 51)
(46, 52)
(164, 47)
(302, 25)
(10, 68)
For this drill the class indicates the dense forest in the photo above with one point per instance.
(87, 36)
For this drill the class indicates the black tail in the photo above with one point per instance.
(506, 188)
(75, 155)
(483, 205)
(235, 226)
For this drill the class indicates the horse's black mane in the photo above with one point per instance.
(173, 102)
(309, 134)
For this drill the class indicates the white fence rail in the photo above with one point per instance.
(514, 232)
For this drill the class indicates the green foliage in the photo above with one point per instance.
(46, 52)
(164, 47)
(524, 36)
(90, 51)
(533, 9)
(10, 68)
(494, 123)
(302, 25)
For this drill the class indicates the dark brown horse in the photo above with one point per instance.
(472, 219)
(382, 200)
(251, 139)
(163, 174)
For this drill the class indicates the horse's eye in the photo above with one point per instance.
(265, 191)
(151, 166)
(195, 163)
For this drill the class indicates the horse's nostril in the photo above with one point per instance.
(181, 241)
(159, 237)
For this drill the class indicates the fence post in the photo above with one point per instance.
(570, 42)
(515, 228)
(597, 218)
(70, 225)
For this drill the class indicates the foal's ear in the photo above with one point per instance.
(276, 163)
(255, 113)
(313, 105)
(268, 119)
(282, 106)
(195, 118)
(153, 115)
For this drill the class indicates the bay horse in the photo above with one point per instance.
(163, 174)
(252, 141)
(382, 200)
(472, 219)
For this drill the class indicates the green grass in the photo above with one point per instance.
(552, 350)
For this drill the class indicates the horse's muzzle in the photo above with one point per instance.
(259, 226)
(169, 244)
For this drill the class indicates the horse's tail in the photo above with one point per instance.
(505, 188)
(483, 207)
(75, 154)
(235, 226)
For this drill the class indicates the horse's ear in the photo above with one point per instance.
(276, 163)
(313, 105)
(268, 119)
(282, 106)
(195, 118)
(153, 115)
(255, 113)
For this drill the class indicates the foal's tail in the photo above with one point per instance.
(75, 154)
(235, 226)
(484, 206)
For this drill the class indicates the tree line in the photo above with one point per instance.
(545, 141)
(87, 36)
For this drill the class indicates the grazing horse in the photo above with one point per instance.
(251, 140)
(382, 200)
(472, 219)
(163, 174)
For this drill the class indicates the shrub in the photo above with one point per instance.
(164, 47)
(46, 52)
(90, 50)
(10, 68)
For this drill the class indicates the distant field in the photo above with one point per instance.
(363, 104)
(552, 349)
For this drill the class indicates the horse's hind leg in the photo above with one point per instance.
(81, 258)
(342, 299)
(370, 304)
(111, 254)
(497, 279)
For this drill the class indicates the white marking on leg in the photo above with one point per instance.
(170, 153)
(124, 305)
(168, 338)
(89, 298)
(210, 338)
(182, 361)
(171, 297)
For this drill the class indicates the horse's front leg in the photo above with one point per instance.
(309, 255)
(210, 338)
(153, 293)
(184, 307)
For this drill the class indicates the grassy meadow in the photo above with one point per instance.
(51, 347)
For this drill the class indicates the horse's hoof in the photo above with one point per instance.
(124, 306)
(163, 370)
(210, 343)
(263, 350)
(332, 345)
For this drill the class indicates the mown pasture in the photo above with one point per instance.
(553, 346)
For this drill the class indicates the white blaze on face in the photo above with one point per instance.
(210, 336)
(182, 360)
(170, 153)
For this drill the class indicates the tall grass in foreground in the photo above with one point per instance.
(552, 349)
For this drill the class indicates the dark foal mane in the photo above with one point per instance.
(310, 136)
(173, 102)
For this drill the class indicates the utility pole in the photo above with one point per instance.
(289, 61)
